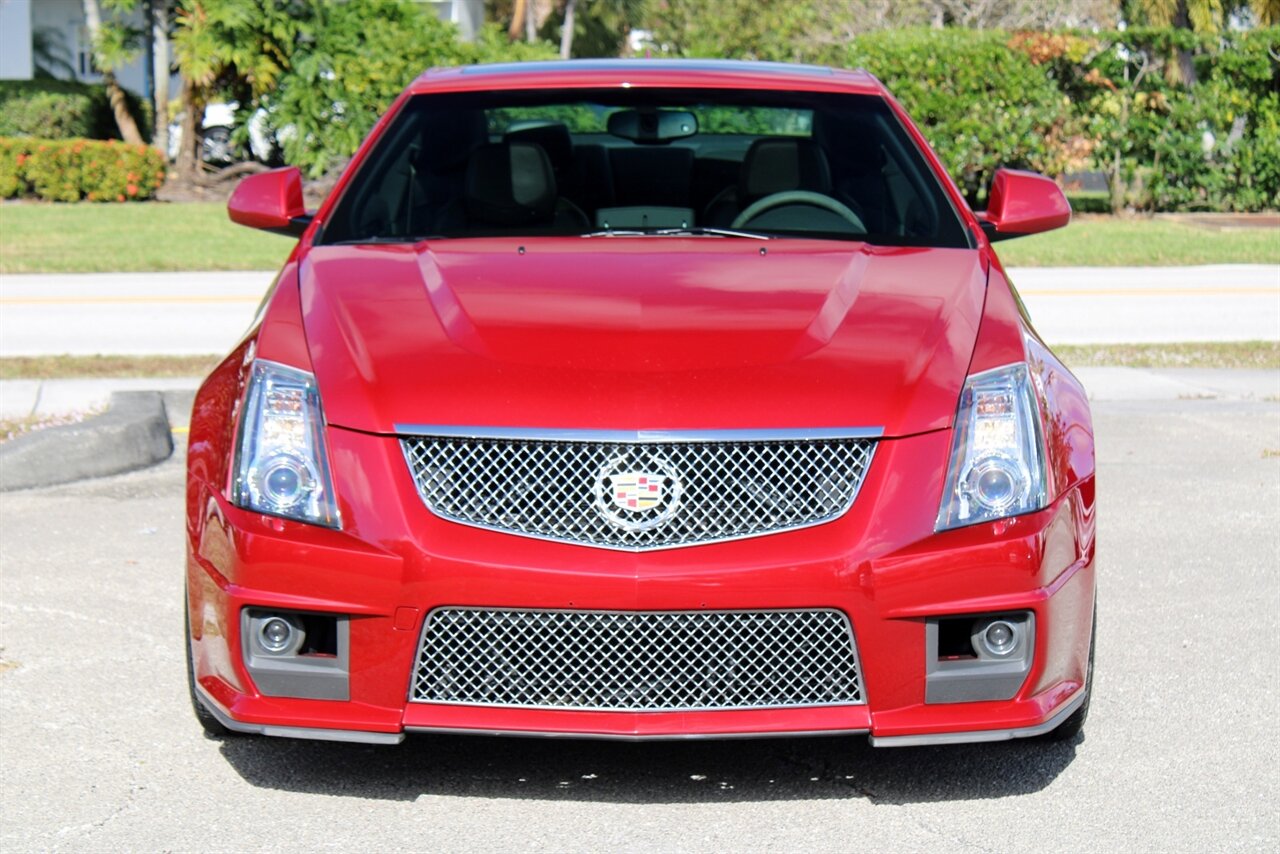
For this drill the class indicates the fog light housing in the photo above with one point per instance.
(999, 638)
(302, 654)
(973, 658)
(278, 635)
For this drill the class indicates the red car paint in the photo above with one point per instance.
(692, 333)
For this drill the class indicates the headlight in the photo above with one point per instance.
(997, 464)
(281, 465)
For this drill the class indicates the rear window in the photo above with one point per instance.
(646, 162)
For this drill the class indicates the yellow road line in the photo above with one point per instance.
(127, 300)
(179, 429)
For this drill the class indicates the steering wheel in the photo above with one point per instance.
(798, 197)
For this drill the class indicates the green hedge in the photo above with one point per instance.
(71, 170)
(1060, 102)
(62, 109)
(1167, 142)
(980, 104)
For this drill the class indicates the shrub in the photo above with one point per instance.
(1166, 142)
(1218, 147)
(980, 104)
(1089, 201)
(1060, 101)
(75, 169)
(62, 109)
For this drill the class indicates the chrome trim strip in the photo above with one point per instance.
(313, 733)
(607, 736)
(552, 434)
(984, 735)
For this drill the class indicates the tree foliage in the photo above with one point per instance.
(981, 104)
(774, 30)
(323, 72)
(1052, 101)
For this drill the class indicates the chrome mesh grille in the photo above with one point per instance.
(707, 491)
(637, 661)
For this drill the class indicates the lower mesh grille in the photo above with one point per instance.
(637, 661)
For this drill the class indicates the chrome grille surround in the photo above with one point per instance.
(715, 486)
(637, 661)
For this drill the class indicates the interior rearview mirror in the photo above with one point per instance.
(652, 125)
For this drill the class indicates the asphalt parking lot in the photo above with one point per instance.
(98, 749)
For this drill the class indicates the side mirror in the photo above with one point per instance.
(271, 201)
(1023, 203)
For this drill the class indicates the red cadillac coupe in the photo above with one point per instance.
(645, 399)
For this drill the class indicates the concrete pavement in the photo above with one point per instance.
(100, 752)
(195, 313)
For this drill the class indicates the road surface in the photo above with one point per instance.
(197, 313)
(100, 753)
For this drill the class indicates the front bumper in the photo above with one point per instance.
(880, 564)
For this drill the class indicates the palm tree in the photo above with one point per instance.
(1202, 16)
(617, 16)
(112, 47)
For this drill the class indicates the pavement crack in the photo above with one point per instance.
(76, 615)
(88, 829)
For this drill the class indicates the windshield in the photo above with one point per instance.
(653, 162)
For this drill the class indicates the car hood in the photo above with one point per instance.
(641, 333)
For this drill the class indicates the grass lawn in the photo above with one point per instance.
(131, 238)
(85, 238)
(1225, 354)
(12, 428)
(98, 367)
(1113, 242)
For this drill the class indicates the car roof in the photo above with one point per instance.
(626, 73)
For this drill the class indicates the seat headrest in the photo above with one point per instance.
(510, 183)
(554, 139)
(447, 140)
(853, 145)
(775, 165)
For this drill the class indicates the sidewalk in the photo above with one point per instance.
(22, 398)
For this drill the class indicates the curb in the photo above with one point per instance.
(132, 434)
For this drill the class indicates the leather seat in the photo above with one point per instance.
(511, 187)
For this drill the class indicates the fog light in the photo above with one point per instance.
(1000, 638)
(278, 635)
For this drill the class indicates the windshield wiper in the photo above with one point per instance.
(716, 232)
(686, 231)
(411, 238)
